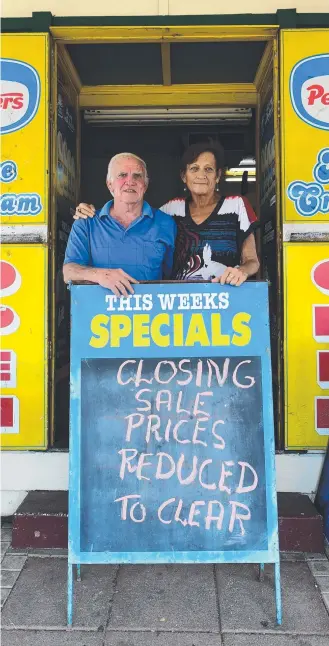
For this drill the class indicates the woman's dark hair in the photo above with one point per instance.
(192, 153)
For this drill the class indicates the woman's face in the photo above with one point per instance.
(201, 176)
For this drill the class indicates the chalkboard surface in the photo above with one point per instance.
(172, 455)
(125, 425)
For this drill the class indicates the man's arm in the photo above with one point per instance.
(73, 271)
(114, 279)
(77, 264)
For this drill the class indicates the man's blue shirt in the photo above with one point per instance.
(144, 250)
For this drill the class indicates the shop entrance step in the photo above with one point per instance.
(41, 522)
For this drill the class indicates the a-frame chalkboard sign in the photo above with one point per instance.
(171, 427)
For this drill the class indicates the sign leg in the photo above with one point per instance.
(261, 572)
(278, 593)
(78, 572)
(69, 594)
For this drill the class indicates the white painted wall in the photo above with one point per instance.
(23, 471)
(24, 8)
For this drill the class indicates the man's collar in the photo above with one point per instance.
(146, 210)
(105, 210)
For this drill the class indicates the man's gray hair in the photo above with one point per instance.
(116, 157)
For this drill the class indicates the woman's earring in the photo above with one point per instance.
(217, 187)
(185, 189)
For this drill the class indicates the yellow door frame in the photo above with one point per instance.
(221, 94)
(60, 59)
(168, 95)
(266, 75)
(153, 34)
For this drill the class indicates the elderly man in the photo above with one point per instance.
(127, 241)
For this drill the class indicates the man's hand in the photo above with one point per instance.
(116, 280)
(84, 211)
(232, 276)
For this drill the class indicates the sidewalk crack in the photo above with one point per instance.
(217, 599)
(109, 614)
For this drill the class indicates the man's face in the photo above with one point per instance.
(128, 183)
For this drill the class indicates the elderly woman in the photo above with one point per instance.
(215, 234)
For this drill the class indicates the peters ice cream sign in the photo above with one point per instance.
(24, 128)
(304, 125)
(309, 90)
(19, 94)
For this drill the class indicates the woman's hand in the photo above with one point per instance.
(232, 276)
(84, 211)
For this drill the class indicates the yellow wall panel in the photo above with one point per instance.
(23, 355)
(24, 104)
(305, 125)
(306, 275)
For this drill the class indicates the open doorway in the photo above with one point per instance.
(156, 119)
(161, 146)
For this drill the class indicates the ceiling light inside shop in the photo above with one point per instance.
(247, 164)
(239, 179)
(154, 116)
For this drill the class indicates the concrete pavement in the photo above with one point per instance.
(161, 605)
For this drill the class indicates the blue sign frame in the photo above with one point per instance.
(90, 301)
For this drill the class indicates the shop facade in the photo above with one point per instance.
(260, 85)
